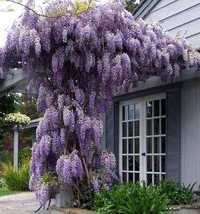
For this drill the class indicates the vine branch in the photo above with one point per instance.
(34, 11)
(40, 14)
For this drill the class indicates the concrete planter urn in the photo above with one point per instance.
(64, 199)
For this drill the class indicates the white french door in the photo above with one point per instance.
(142, 145)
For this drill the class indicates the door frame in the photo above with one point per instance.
(142, 103)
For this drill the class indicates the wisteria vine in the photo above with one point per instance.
(77, 63)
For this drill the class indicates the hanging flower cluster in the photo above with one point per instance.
(69, 168)
(108, 160)
(106, 176)
(77, 63)
(108, 163)
(17, 118)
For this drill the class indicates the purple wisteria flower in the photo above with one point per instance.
(69, 118)
(77, 63)
(96, 185)
(69, 168)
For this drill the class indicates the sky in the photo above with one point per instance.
(7, 18)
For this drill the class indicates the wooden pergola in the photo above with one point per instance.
(16, 131)
(15, 80)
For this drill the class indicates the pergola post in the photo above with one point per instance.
(16, 147)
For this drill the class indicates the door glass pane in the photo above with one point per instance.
(149, 163)
(156, 163)
(137, 111)
(124, 176)
(130, 146)
(130, 177)
(163, 107)
(130, 163)
(149, 179)
(137, 177)
(149, 145)
(156, 179)
(124, 163)
(163, 126)
(137, 163)
(137, 145)
(137, 128)
(149, 127)
(124, 129)
(131, 112)
(156, 126)
(156, 108)
(163, 145)
(124, 146)
(130, 129)
(163, 163)
(123, 113)
(149, 109)
(156, 145)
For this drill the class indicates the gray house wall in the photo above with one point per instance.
(182, 17)
(178, 17)
(190, 132)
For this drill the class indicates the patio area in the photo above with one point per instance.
(25, 203)
(22, 203)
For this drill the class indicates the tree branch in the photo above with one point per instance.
(29, 8)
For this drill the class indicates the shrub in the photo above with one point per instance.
(17, 118)
(16, 180)
(131, 198)
(177, 193)
(24, 155)
(3, 188)
(6, 157)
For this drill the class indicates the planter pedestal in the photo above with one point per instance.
(64, 199)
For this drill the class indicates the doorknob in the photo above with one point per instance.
(143, 154)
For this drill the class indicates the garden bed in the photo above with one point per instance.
(173, 210)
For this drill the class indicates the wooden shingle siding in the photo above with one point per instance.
(178, 17)
(163, 3)
(190, 134)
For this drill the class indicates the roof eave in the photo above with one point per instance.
(143, 9)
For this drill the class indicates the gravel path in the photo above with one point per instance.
(25, 203)
(22, 203)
